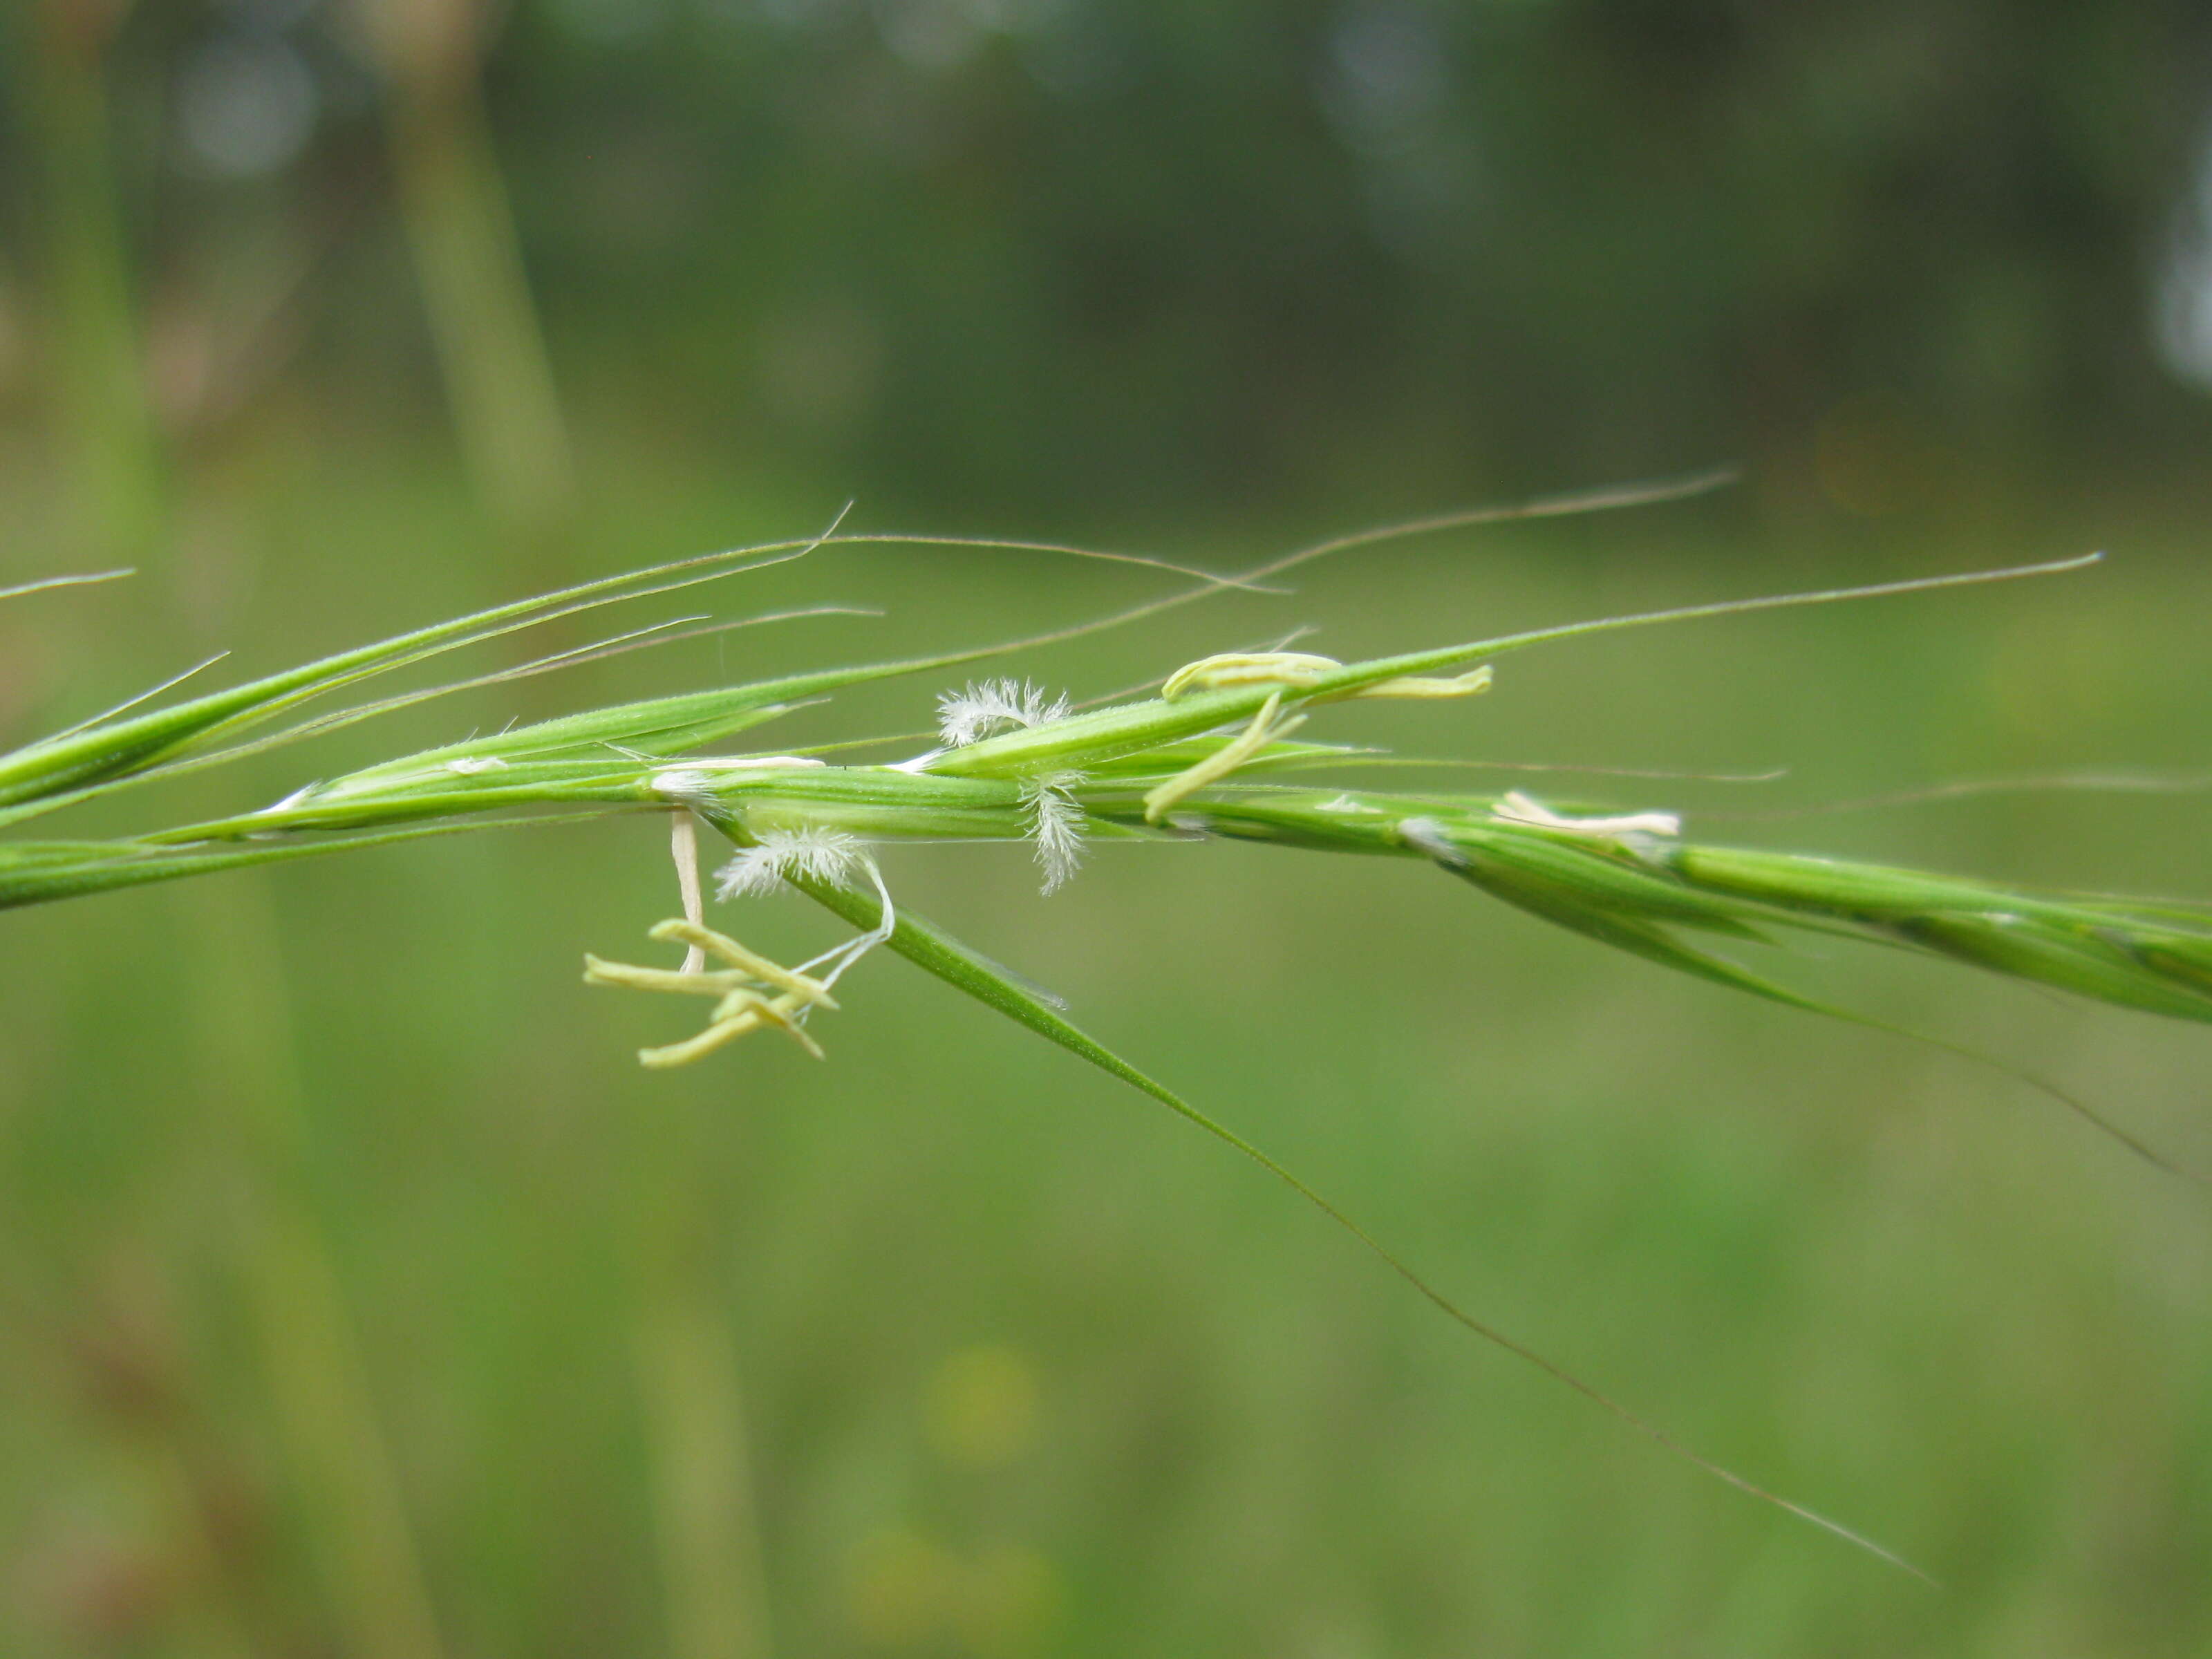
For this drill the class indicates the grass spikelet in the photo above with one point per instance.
(1019, 767)
(2104, 951)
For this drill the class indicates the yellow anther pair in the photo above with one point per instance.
(743, 988)
(1291, 670)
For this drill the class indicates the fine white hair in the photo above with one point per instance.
(824, 854)
(832, 855)
(984, 708)
(1056, 826)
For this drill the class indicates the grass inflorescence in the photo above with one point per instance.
(1224, 751)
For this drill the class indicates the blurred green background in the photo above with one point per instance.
(359, 1296)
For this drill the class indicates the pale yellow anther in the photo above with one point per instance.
(744, 1003)
(778, 1011)
(599, 971)
(750, 962)
(1235, 668)
(1414, 687)
(748, 1017)
(695, 1048)
(1265, 729)
(1296, 671)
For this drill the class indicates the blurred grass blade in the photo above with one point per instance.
(937, 952)
(45, 582)
(452, 201)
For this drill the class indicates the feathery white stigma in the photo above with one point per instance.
(823, 854)
(1056, 826)
(985, 708)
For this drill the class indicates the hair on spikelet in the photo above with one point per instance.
(984, 708)
(1056, 826)
(824, 854)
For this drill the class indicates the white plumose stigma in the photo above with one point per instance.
(985, 708)
(1056, 826)
(829, 856)
(1517, 808)
(469, 765)
(824, 854)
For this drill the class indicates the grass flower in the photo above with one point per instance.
(1211, 757)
